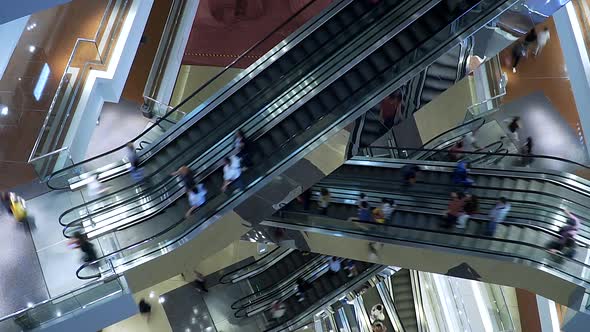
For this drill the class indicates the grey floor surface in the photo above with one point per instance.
(552, 136)
(21, 279)
(119, 123)
(189, 309)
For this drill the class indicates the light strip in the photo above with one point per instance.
(553, 316)
(481, 307)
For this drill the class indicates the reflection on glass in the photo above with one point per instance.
(41, 82)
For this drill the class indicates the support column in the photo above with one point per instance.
(577, 62)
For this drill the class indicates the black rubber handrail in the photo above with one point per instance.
(479, 121)
(534, 156)
(115, 253)
(187, 99)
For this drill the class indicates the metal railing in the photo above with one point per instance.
(83, 298)
(87, 54)
(497, 81)
(150, 92)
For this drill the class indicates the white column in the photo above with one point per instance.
(576, 60)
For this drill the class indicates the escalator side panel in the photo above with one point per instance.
(411, 254)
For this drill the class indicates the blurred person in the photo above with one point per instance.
(242, 145)
(542, 39)
(301, 286)
(305, 199)
(277, 310)
(364, 212)
(497, 215)
(134, 169)
(470, 208)
(145, 308)
(567, 235)
(196, 197)
(409, 174)
(519, 51)
(6, 201)
(377, 314)
(454, 210)
(527, 152)
(80, 241)
(232, 172)
(379, 327)
(470, 141)
(351, 268)
(95, 187)
(513, 125)
(461, 174)
(456, 151)
(530, 38)
(199, 282)
(334, 265)
(389, 108)
(324, 201)
(362, 198)
(383, 213)
(186, 176)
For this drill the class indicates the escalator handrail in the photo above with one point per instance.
(115, 253)
(483, 187)
(194, 93)
(258, 261)
(479, 121)
(520, 155)
(203, 174)
(443, 232)
(534, 156)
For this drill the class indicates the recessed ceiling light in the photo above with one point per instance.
(161, 299)
(32, 49)
(4, 110)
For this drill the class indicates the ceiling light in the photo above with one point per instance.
(32, 49)
(152, 294)
(4, 110)
(161, 299)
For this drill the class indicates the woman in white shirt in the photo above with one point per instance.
(231, 173)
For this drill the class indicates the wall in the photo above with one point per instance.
(12, 10)
(10, 33)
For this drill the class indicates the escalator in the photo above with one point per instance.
(518, 245)
(370, 299)
(403, 297)
(105, 214)
(310, 127)
(324, 288)
(423, 88)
